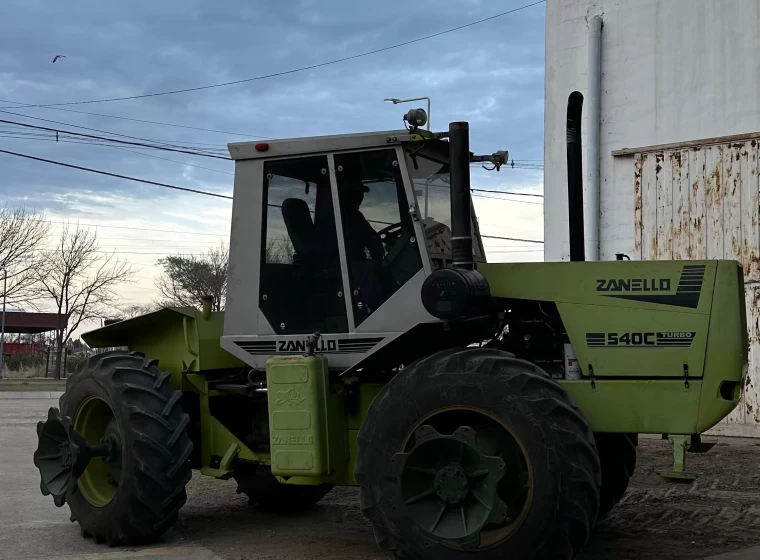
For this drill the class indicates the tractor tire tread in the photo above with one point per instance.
(153, 428)
(524, 388)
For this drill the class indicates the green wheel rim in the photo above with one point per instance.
(99, 482)
(496, 436)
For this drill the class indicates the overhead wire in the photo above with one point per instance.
(107, 145)
(127, 177)
(227, 132)
(293, 70)
(163, 142)
(114, 140)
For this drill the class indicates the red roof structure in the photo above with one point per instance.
(28, 323)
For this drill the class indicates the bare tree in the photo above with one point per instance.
(279, 251)
(132, 311)
(22, 233)
(80, 282)
(186, 278)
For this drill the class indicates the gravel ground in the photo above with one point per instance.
(656, 519)
(720, 512)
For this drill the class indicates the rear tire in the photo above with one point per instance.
(617, 455)
(267, 494)
(536, 410)
(155, 448)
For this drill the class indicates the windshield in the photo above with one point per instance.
(432, 187)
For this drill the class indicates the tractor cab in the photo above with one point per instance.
(336, 235)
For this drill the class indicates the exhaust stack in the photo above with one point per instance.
(461, 213)
(575, 176)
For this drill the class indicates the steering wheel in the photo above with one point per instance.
(389, 234)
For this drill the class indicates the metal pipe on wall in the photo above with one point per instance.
(575, 176)
(593, 101)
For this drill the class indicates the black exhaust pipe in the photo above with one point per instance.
(461, 292)
(461, 213)
(575, 177)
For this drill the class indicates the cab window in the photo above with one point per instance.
(300, 282)
(381, 248)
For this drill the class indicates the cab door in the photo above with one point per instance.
(380, 238)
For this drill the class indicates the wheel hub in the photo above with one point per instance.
(451, 484)
(448, 486)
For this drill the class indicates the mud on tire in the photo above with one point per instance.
(155, 447)
(555, 435)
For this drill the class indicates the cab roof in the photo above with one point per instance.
(316, 144)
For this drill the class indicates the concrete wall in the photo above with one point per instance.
(672, 71)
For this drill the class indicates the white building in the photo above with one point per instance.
(679, 127)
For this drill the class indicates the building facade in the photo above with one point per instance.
(677, 142)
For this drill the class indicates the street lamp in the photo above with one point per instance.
(396, 101)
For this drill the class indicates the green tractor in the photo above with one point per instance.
(484, 410)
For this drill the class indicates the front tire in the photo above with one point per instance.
(509, 400)
(135, 499)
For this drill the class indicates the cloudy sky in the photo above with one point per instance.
(490, 74)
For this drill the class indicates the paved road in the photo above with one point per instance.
(720, 512)
(30, 525)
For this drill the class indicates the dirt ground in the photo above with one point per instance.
(718, 513)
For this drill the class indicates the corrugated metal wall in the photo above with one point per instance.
(703, 203)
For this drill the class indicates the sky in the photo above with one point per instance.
(490, 74)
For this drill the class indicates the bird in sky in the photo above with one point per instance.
(58, 56)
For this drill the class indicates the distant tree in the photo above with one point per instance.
(279, 251)
(22, 235)
(80, 282)
(186, 278)
(132, 311)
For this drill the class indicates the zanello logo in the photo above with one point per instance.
(651, 290)
(285, 346)
(292, 440)
(291, 397)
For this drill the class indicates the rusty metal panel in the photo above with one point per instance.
(637, 205)
(714, 201)
(681, 205)
(664, 186)
(697, 213)
(732, 228)
(649, 209)
(750, 205)
(751, 396)
(703, 202)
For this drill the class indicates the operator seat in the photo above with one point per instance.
(295, 213)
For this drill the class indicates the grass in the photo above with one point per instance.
(32, 384)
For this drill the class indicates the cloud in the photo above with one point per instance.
(490, 74)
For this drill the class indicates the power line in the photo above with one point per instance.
(507, 192)
(507, 199)
(105, 145)
(226, 132)
(292, 71)
(105, 131)
(128, 178)
(114, 140)
(139, 229)
(511, 239)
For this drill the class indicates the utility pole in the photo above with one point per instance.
(2, 322)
